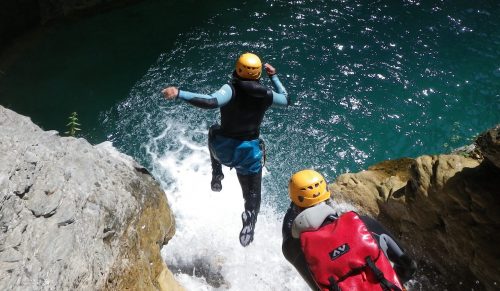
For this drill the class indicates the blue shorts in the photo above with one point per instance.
(243, 155)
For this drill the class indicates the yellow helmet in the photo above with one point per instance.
(249, 66)
(307, 188)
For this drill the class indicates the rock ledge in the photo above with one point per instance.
(77, 216)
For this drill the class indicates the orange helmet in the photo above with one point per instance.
(249, 66)
(307, 188)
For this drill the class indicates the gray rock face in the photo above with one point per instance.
(76, 216)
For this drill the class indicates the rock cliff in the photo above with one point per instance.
(77, 217)
(445, 209)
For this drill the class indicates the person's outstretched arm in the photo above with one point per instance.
(215, 100)
(280, 97)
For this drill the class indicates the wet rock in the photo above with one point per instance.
(489, 144)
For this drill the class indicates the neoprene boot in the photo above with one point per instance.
(251, 188)
(405, 267)
(217, 175)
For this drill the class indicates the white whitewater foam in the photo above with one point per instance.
(205, 253)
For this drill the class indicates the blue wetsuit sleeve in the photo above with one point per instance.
(215, 100)
(280, 97)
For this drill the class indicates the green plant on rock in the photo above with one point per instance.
(73, 124)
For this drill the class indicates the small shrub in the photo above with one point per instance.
(73, 125)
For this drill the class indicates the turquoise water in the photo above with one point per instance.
(89, 65)
(370, 81)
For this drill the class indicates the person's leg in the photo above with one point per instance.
(217, 175)
(251, 188)
(404, 266)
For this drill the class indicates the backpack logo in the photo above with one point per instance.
(339, 251)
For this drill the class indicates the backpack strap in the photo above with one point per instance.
(333, 285)
(384, 283)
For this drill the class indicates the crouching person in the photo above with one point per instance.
(332, 252)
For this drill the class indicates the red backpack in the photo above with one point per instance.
(343, 255)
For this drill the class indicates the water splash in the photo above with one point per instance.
(205, 253)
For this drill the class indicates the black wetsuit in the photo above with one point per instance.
(403, 265)
(242, 116)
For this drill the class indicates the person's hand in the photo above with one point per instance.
(170, 93)
(270, 70)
